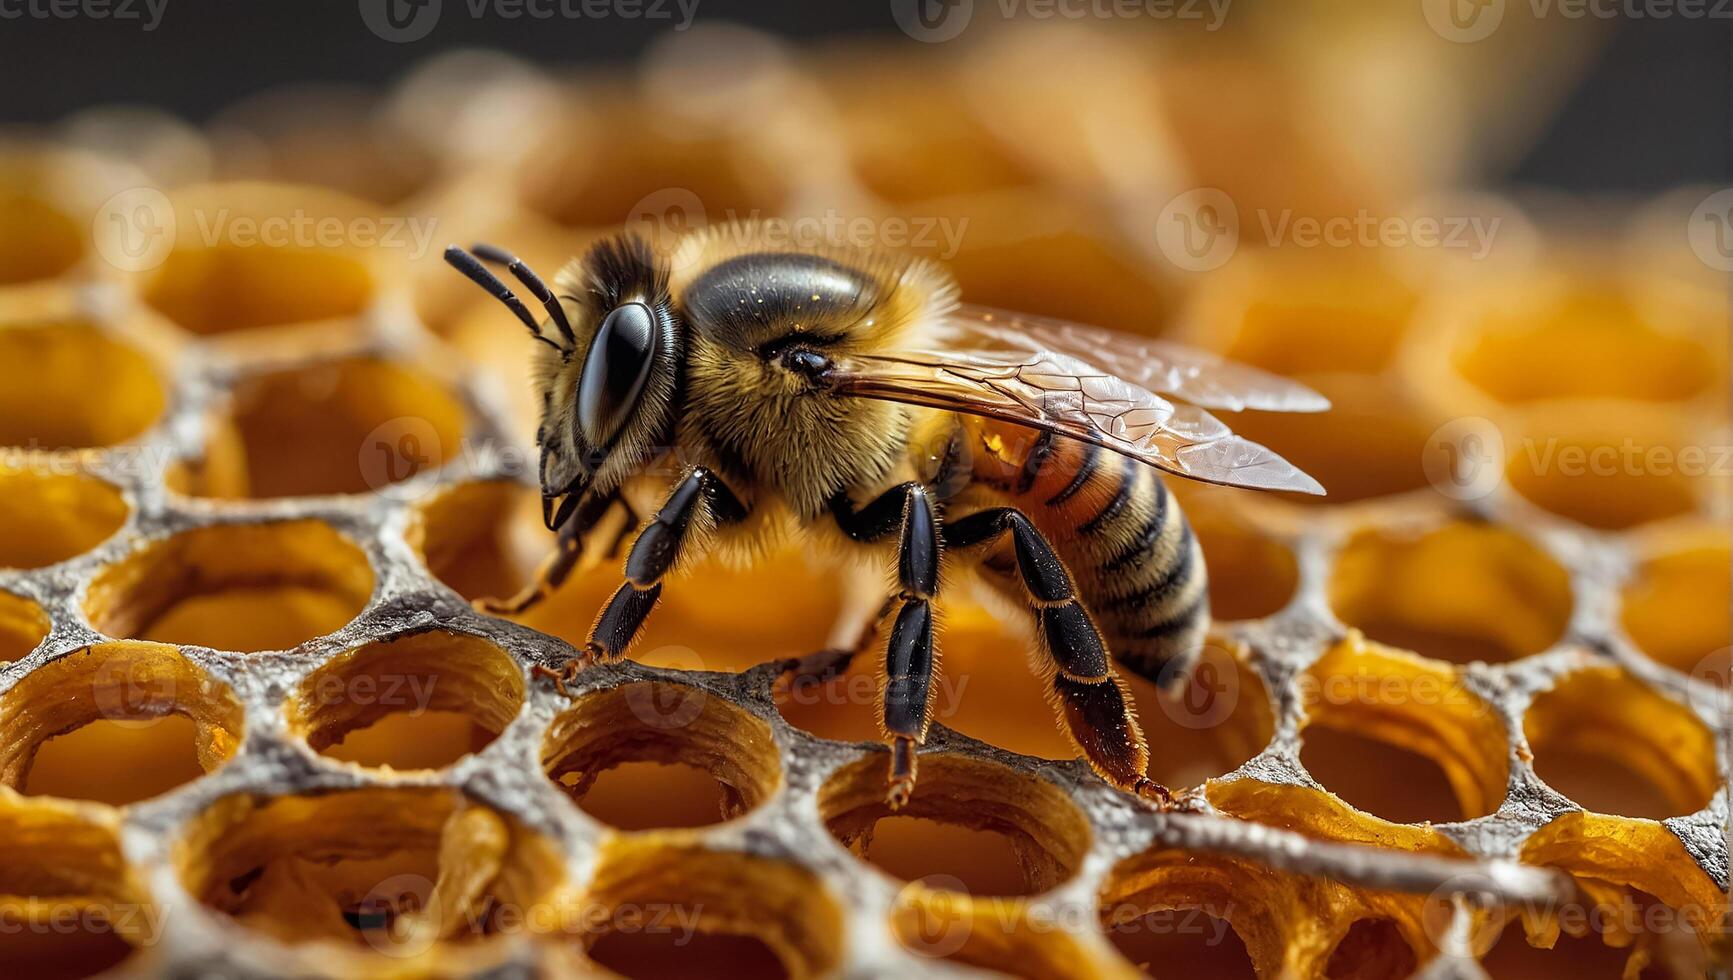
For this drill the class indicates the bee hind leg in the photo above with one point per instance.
(905, 703)
(1090, 699)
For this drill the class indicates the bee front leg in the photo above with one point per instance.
(1092, 701)
(905, 703)
(656, 550)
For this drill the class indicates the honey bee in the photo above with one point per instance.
(847, 396)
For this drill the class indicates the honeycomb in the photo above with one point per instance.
(1453, 721)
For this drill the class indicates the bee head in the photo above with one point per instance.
(606, 370)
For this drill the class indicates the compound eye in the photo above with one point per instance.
(616, 370)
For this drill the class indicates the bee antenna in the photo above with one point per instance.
(531, 281)
(472, 269)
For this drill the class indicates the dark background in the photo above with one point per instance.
(1654, 111)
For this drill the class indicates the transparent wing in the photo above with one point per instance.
(1173, 369)
(1061, 394)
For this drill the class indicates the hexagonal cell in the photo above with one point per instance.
(972, 826)
(1169, 908)
(1678, 607)
(73, 909)
(1614, 745)
(1212, 724)
(47, 199)
(1589, 337)
(656, 754)
(1461, 592)
(421, 701)
(665, 908)
(40, 241)
(420, 876)
(116, 723)
(71, 385)
(1639, 891)
(260, 255)
(242, 587)
(486, 539)
(1371, 711)
(348, 426)
(23, 625)
(1609, 465)
(50, 516)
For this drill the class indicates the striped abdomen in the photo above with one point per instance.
(1129, 546)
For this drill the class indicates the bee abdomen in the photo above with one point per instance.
(1137, 563)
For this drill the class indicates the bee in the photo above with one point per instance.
(846, 396)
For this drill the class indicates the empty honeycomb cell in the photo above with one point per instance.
(486, 539)
(1589, 338)
(1461, 592)
(1413, 715)
(348, 426)
(116, 723)
(242, 587)
(664, 908)
(350, 880)
(246, 256)
(1306, 313)
(1386, 455)
(70, 385)
(1168, 908)
(23, 625)
(1008, 936)
(416, 702)
(978, 826)
(69, 906)
(1611, 465)
(680, 729)
(1614, 745)
(1678, 606)
(48, 514)
(1636, 888)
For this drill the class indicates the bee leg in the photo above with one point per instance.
(556, 567)
(832, 662)
(654, 553)
(1089, 696)
(905, 704)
